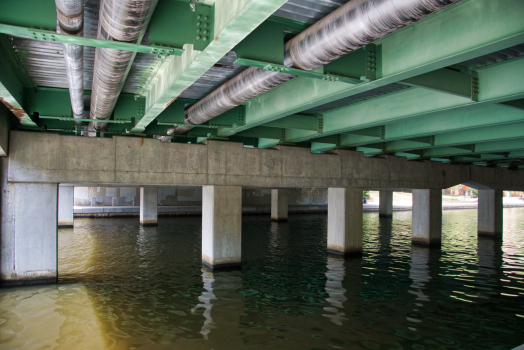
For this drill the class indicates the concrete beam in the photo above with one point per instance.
(234, 20)
(66, 202)
(279, 207)
(490, 213)
(345, 221)
(148, 206)
(221, 226)
(128, 161)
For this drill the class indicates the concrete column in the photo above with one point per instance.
(221, 226)
(279, 208)
(148, 206)
(427, 217)
(345, 221)
(490, 213)
(28, 232)
(66, 201)
(385, 207)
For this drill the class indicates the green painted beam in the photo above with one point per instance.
(263, 132)
(519, 104)
(233, 21)
(446, 38)
(445, 80)
(52, 36)
(299, 122)
(487, 147)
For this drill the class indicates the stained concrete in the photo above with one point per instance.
(221, 226)
(129, 161)
(345, 221)
(148, 206)
(427, 217)
(385, 208)
(28, 232)
(65, 206)
(279, 205)
(5, 116)
(490, 213)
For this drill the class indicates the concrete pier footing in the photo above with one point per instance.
(345, 221)
(221, 226)
(28, 232)
(148, 206)
(490, 213)
(279, 205)
(427, 217)
(385, 207)
(66, 199)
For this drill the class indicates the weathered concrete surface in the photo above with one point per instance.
(385, 208)
(427, 217)
(345, 221)
(148, 206)
(221, 226)
(279, 205)
(28, 232)
(490, 213)
(66, 214)
(128, 161)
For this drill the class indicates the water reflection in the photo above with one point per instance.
(335, 277)
(223, 306)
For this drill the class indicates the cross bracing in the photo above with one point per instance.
(448, 88)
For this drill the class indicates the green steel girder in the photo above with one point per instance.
(486, 147)
(264, 132)
(233, 22)
(445, 80)
(48, 35)
(416, 102)
(446, 38)
(519, 104)
(299, 122)
(456, 138)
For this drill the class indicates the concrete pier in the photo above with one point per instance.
(148, 206)
(490, 213)
(385, 209)
(221, 226)
(279, 205)
(345, 221)
(28, 232)
(66, 198)
(427, 217)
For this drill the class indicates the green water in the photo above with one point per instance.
(126, 287)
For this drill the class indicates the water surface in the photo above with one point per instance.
(126, 287)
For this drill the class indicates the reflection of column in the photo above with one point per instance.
(489, 253)
(419, 272)
(335, 277)
(223, 306)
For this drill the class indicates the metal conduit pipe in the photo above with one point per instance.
(353, 25)
(70, 15)
(120, 20)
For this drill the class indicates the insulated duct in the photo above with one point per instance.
(70, 15)
(353, 25)
(120, 20)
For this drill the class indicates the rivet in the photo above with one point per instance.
(205, 38)
(199, 16)
(199, 24)
(206, 18)
(198, 30)
(198, 37)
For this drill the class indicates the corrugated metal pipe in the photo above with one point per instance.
(353, 25)
(120, 20)
(70, 15)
